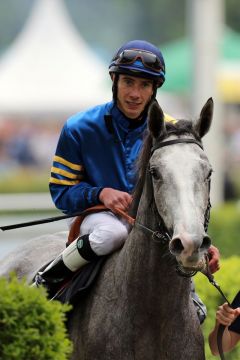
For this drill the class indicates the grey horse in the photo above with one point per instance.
(140, 308)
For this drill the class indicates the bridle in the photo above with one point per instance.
(176, 141)
(187, 141)
(164, 234)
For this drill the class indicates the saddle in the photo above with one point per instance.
(75, 227)
(80, 282)
(75, 286)
(74, 231)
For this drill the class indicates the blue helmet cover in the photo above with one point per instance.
(138, 68)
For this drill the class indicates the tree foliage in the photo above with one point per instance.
(31, 327)
(224, 228)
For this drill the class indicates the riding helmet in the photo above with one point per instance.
(141, 59)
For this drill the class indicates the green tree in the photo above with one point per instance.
(31, 327)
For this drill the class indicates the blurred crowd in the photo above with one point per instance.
(31, 144)
(27, 143)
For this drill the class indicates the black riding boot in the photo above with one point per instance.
(76, 255)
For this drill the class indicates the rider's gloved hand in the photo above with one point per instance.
(214, 258)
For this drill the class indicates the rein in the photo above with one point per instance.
(96, 208)
(221, 327)
(159, 236)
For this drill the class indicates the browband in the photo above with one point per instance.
(175, 141)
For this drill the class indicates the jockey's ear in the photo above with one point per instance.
(203, 124)
(156, 122)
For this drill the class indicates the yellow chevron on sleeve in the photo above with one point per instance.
(63, 182)
(169, 118)
(67, 163)
(65, 173)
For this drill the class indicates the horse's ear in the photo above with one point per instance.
(156, 122)
(202, 125)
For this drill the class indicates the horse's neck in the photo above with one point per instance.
(148, 270)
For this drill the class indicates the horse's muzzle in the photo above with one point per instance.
(189, 251)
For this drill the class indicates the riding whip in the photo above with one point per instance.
(54, 218)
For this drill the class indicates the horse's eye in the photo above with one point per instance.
(154, 173)
(208, 178)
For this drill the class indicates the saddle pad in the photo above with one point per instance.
(80, 283)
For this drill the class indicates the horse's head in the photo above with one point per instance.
(181, 173)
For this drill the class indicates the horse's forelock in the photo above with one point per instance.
(181, 127)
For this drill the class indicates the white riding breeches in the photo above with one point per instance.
(107, 232)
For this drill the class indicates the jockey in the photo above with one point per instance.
(95, 157)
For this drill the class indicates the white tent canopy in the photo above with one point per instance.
(49, 67)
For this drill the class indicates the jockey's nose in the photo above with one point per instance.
(135, 91)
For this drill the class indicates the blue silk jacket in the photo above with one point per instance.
(97, 148)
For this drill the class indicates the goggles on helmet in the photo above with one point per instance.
(148, 59)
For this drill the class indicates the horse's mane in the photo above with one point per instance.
(181, 127)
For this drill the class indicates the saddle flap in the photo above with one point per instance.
(74, 231)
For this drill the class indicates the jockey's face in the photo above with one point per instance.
(133, 94)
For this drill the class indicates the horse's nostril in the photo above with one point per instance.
(176, 246)
(205, 243)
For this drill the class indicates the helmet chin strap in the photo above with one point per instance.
(114, 87)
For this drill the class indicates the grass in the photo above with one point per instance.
(24, 180)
